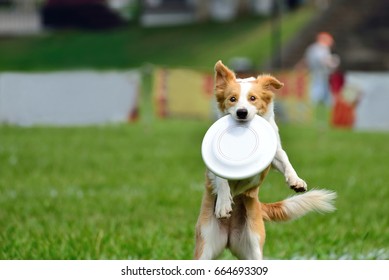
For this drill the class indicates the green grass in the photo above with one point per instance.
(98, 192)
(134, 191)
(197, 46)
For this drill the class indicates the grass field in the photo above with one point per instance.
(133, 192)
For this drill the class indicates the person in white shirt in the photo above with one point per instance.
(321, 63)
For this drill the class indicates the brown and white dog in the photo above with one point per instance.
(231, 214)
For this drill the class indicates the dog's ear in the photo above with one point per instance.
(223, 75)
(268, 81)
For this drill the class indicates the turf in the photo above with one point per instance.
(133, 192)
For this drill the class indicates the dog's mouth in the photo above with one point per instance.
(242, 120)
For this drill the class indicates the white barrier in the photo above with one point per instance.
(68, 98)
(372, 110)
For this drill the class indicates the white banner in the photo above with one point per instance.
(191, 270)
(68, 98)
(372, 91)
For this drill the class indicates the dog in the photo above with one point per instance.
(231, 214)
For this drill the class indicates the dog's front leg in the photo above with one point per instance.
(281, 163)
(223, 206)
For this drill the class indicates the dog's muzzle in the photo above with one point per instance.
(242, 114)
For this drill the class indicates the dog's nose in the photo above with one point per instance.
(241, 114)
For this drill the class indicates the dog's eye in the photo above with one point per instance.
(252, 98)
(233, 99)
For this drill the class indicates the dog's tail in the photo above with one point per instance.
(321, 201)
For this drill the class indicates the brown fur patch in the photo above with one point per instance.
(274, 212)
(263, 97)
(225, 85)
(268, 81)
(224, 94)
(199, 244)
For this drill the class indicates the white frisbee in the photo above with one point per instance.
(238, 150)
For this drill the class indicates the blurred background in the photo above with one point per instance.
(152, 37)
(104, 103)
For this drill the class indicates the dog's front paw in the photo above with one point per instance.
(223, 208)
(297, 184)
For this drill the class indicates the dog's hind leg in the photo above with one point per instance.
(211, 233)
(247, 234)
(211, 239)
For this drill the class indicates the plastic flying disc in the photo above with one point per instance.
(238, 150)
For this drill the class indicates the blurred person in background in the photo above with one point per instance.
(321, 63)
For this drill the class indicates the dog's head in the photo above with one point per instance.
(243, 98)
